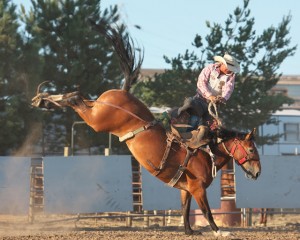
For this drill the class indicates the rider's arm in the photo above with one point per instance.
(228, 87)
(203, 81)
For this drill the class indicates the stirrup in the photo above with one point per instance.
(213, 158)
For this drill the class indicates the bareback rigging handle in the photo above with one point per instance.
(216, 114)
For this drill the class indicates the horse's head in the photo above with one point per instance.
(245, 154)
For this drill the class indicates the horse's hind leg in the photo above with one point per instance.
(83, 107)
(185, 207)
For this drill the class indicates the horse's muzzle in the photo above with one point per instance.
(252, 176)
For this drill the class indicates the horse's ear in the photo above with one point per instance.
(251, 134)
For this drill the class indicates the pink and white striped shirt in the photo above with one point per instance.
(212, 82)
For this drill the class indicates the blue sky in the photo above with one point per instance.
(168, 27)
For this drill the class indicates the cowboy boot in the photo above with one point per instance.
(200, 137)
(202, 134)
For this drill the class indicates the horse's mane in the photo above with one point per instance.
(125, 49)
(224, 134)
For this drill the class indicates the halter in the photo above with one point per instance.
(237, 145)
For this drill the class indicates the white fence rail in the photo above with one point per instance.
(101, 184)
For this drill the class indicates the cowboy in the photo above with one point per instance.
(215, 84)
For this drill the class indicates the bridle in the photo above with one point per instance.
(237, 146)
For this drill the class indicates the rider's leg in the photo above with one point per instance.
(186, 105)
(194, 121)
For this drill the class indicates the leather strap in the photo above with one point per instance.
(135, 132)
(181, 168)
(164, 158)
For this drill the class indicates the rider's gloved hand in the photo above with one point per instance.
(220, 99)
(213, 98)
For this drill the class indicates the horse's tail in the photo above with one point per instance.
(124, 47)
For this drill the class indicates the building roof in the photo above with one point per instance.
(289, 80)
(150, 72)
(287, 112)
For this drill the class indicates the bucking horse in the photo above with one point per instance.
(164, 153)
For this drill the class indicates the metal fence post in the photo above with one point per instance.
(146, 219)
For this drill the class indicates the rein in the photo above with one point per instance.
(237, 145)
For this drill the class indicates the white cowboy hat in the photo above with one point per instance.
(231, 63)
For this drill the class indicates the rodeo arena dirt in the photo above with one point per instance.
(114, 226)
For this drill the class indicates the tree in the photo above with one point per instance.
(73, 55)
(12, 102)
(261, 56)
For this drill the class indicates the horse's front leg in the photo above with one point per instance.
(185, 207)
(201, 199)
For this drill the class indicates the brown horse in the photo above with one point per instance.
(170, 160)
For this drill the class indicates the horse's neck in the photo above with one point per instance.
(221, 162)
(222, 157)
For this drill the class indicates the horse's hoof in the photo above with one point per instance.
(191, 232)
(222, 233)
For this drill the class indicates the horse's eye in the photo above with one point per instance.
(251, 150)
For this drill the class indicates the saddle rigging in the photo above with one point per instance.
(186, 127)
